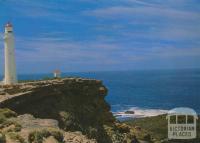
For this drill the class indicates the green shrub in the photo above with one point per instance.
(122, 128)
(92, 132)
(58, 135)
(16, 137)
(68, 121)
(2, 119)
(37, 136)
(17, 127)
(7, 123)
(2, 138)
(7, 113)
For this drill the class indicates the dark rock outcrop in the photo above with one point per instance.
(77, 104)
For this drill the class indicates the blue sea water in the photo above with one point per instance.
(150, 89)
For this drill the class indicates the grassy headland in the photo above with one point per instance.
(157, 128)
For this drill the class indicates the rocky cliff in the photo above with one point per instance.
(77, 104)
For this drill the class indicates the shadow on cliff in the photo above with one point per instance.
(77, 105)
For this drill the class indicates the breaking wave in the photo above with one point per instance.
(136, 112)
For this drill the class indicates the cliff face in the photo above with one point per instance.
(77, 104)
(82, 97)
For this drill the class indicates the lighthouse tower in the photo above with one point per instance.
(10, 65)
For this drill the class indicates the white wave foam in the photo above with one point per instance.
(139, 113)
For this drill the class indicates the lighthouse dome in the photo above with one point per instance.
(8, 27)
(8, 24)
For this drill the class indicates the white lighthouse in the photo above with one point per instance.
(10, 65)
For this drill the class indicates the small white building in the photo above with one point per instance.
(10, 76)
(57, 74)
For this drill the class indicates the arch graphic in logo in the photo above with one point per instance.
(182, 123)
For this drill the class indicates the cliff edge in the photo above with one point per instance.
(76, 104)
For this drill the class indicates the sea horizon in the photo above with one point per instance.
(97, 71)
(146, 92)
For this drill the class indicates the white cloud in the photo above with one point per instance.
(49, 49)
(169, 52)
(161, 20)
(51, 10)
(123, 32)
(44, 50)
(126, 12)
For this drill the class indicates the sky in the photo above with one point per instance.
(102, 35)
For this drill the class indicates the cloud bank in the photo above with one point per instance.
(103, 35)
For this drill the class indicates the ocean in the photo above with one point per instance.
(147, 92)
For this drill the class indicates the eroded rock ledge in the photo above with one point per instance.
(25, 89)
(77, 104)
(27, 129)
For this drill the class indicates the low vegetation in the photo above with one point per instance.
(16, 137)
(157, 128)
(39, 135)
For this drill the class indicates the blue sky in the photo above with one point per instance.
(99, 35)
